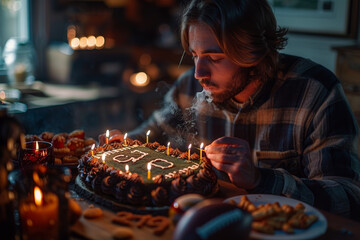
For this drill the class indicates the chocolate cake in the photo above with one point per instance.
(102, 170)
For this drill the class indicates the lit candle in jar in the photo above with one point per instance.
(107, 136)
(201, 149)
(36, 152)
(147, 136)
(92, 149)
(125, 136)
(103, 158)
(39, 216)
(189, 152)
(149, 170)
(168, 148)
(36, 147)
(127, 168)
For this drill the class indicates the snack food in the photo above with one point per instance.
(93, 212)
(170, 175)
(123, 233)
(159, 224)
(68, 147)
(272, 216)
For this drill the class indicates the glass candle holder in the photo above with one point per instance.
(36, 152)
(41, 202)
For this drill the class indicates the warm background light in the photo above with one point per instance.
(139, 79)
(90, 42)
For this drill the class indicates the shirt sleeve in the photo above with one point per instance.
(330, 162)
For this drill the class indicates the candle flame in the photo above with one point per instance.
(127, 168)
(38, 196)
(125, 136)
(36, 146)
(148, 133)
(201, 145)
(103, 158)
(189, 146)
(107, 133)
(93, 146)
(168, 144)
(149, 166)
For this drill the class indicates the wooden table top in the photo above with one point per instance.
(103, 228)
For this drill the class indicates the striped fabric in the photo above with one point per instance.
(300, 128)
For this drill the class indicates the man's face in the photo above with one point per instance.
(216, 73)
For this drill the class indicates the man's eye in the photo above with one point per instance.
(215, 60)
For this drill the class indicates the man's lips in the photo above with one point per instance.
(207, 84)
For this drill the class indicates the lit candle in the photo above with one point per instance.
(39, 216)
(147, 136)
(168, 150)
(127, 168)
(149, 170)
(107, 136)
(125, 136)
(201, 149)
(36, 147)
(103, 158)
(92, 149)
(189, 152)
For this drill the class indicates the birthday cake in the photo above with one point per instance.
(172, 173)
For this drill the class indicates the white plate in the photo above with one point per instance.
(316, 229)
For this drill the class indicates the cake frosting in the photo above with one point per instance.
(172, 173)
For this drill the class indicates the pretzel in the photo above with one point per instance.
(270, 217)
(159, 223)
(123, 218)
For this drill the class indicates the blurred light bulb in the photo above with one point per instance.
(139, 79)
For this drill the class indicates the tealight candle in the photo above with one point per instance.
(189, 152)
(39, 217)
(168, 148)
(147, 136)
(125, 136)
(107, 136)
(201, 149)
(149, 170)
(37, 152)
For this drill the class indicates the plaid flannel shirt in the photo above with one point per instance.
(300, 128)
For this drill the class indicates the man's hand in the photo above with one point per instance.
(232, 156)
(114, 135)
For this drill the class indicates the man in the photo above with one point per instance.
(272, 123)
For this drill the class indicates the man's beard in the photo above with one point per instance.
(239, 81)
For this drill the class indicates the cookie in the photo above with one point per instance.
(58, 141)
(123, 233)
(75, 143)
(75, 211)
(77, 134)
(47, 136)
(70, 159)
(89, 142)
(91, 213)
(29, 138)
(57, 161)
(61, 152)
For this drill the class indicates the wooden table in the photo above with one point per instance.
(102, 228)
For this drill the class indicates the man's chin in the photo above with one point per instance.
(218, 98)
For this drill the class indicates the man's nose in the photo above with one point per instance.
(202, 70)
